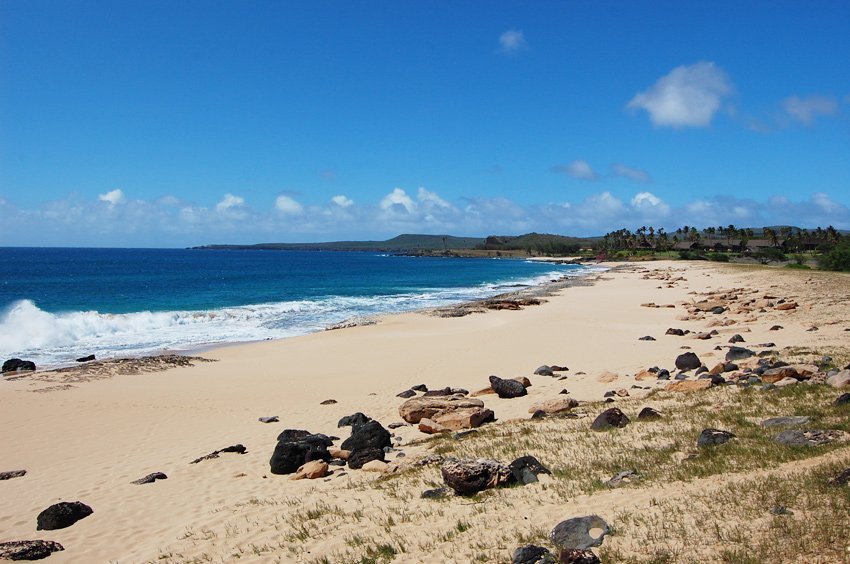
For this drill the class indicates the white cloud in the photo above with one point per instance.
(431, 199)
(288, 206)
(398, 200)
(112, 198)
(688, 96)
(805, 110)
(512, 42)
(635, 174)
(577, 169)
(342, 201)
(230, 202)
(168, 201)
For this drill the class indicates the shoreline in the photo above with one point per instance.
(118, 428)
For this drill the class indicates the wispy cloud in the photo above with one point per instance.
(577, 169)
(342, 201)
(635, 174)
(805, 110)
(688, 96)
(512, 42)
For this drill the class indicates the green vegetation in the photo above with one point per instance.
(836, 258)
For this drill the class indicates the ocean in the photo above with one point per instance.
(57, 304)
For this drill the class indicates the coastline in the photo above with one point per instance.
(116, 429)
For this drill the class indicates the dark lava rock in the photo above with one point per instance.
(150, 478)
(406, 394)
(767, 345)
(269, 419)
(808, 438)
(12, 474)
(556, 368)
(544, 370)
(532, 554)
(646, 338)
(353, 420)
(564, 391)
(357, 458)
(419, 388)
(700, 370)
(88, 358)
(18, 365)
(371, 434)
(525, 469)
(609, 394)
(62, 514)
(328, 402)
(736, 339)
(292, 435)
(28, 549)
(677, 332)
(507, 388)
(463, 434)
(663, 374)
(738, 353)
(609, 418)
(788, 421)
(445, 392)
(716, 379)
(575, 533)
(648, 414)
(842, 479)
(471, 475)
(576, 556)
(239, 449)
(688, 361)
(713, 437)
(436, 493)
(843, 399)
(718, 310)
(396, 425)
(288, 456)
(539, 414)
(776, 328)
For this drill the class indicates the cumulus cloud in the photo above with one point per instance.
(577, 169)
(635, 174)
(432, 199)
(288, 206)
(398, 201)
(805, 110)
(230, 202)
(112, 198)
(688, 96)
(512, 42)
(342, 201)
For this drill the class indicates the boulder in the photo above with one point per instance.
(738, 353)
(375, 466)
(507, 388)
(421, 407)
(736, 339)
(150, 478)
(471, 475)
(786, 306)
(359, 457)
(370, 434)
(843, 399)
(688, 361)
(608, 419)
(12, 474)
(786, 382)
(61, 515)
(353, 420)
(467, 418)
(419, 388)
(525, 469)
(554, 405)
(575, 533)
(648, 414)
(88, 358)
(28, 549)
(311, 470)
(544, 370)
(532, 554)
(688, 385)
(445, 392)
(840, 379)
(677, 332)
(809, 437)
(18, 365)
(714, 437)
(288, 456)
(406, 394)
(431, 427)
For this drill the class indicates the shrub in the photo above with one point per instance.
(836, 259)
(718, 257)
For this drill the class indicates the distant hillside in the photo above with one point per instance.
(541, 243)
(402, 243)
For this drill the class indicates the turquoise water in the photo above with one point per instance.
(58, 304)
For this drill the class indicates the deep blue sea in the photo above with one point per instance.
(59, 304)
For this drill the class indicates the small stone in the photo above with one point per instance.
(842, 479)
(608, 419)
(61, 515)
(525, 469)
(406, 394)
(677, 332)
(714, 437)
(358, 458)
(575, 533)
(311, 470)
(544, 370)
(780, 510)
(625, 477)
(328, 402)
(419, 388)
(648, 414)
(576, 556)
(788, 421)
(646, 338)
(564, 391)
(532, 554)
(809, 437)
(776, 328)
(736, 339)
(88, 358)
(843, 399)
(688, 361)
(375, 466)
(150, 478)
(269, 419)
(738, 353)
(28, 549)
(436, 493)
(12, 474)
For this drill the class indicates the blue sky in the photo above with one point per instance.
(178, 123)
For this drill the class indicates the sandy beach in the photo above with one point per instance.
(86, 437)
